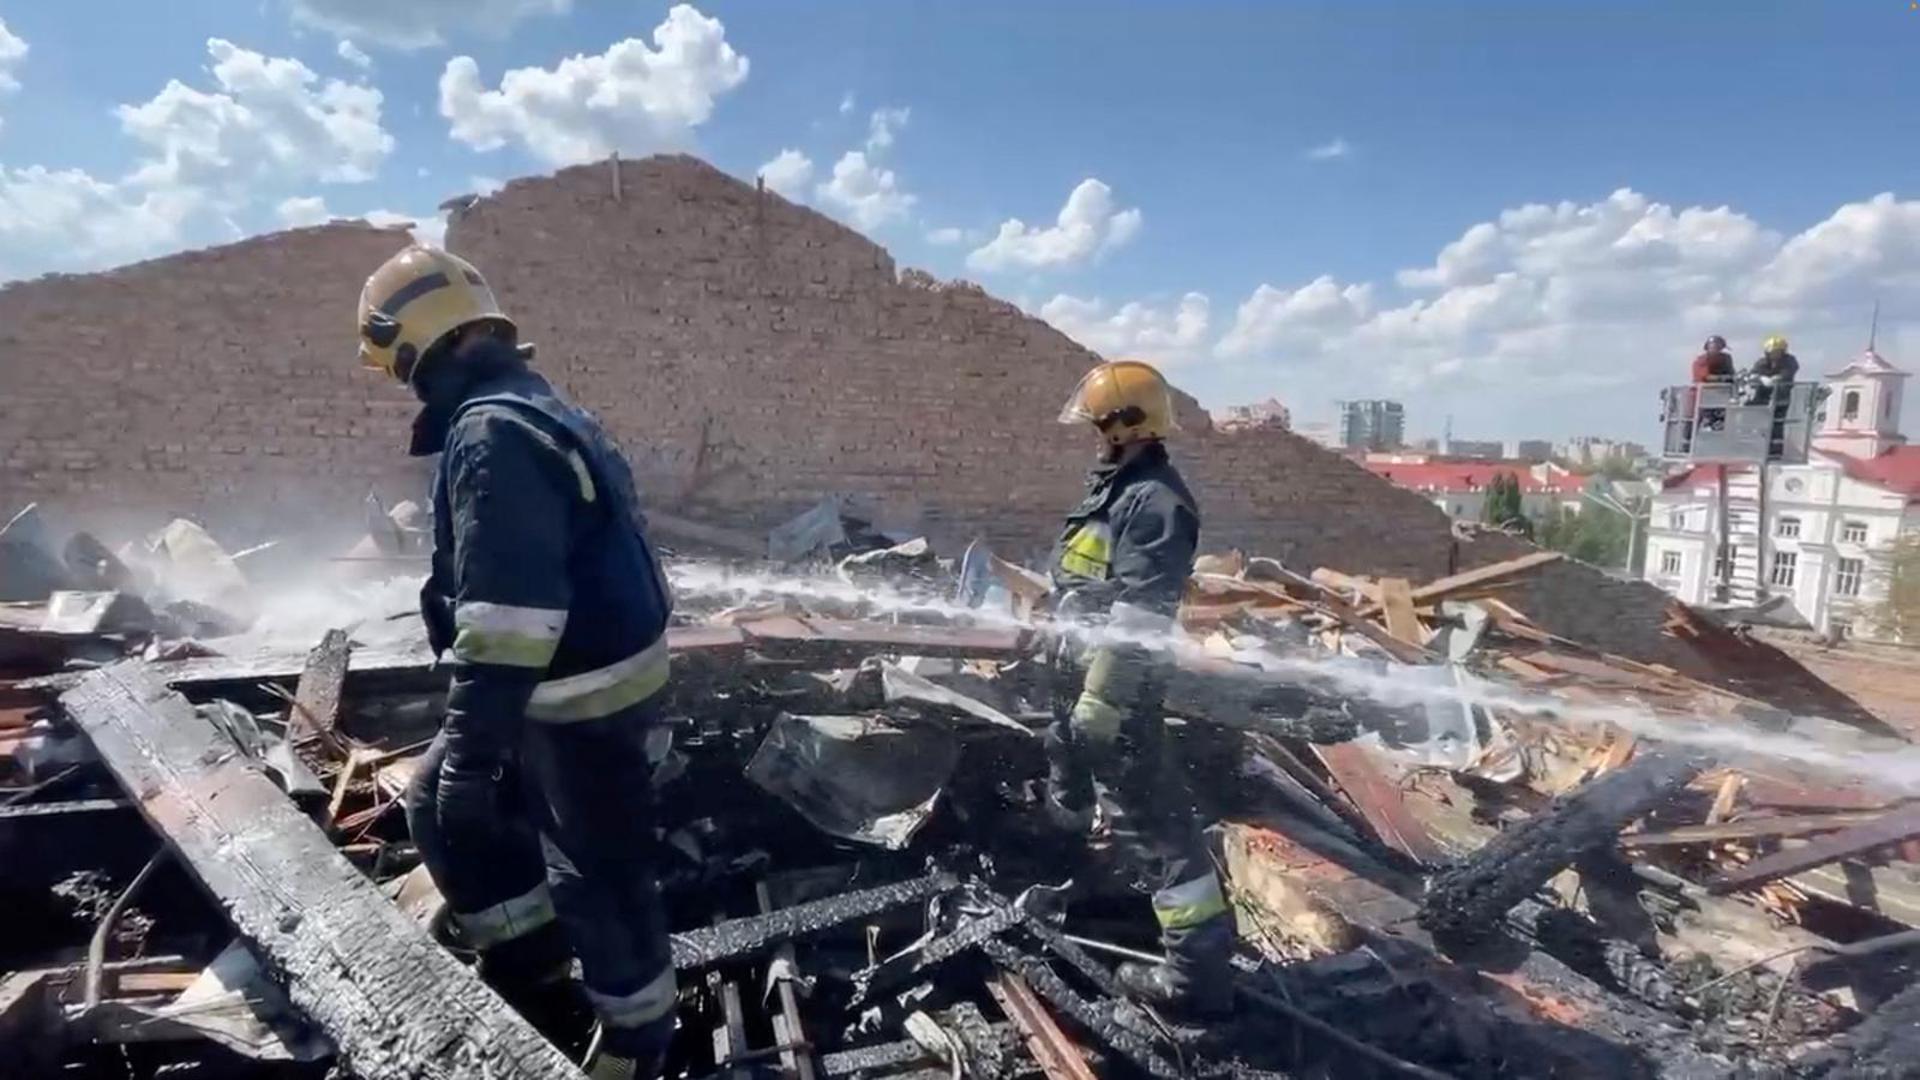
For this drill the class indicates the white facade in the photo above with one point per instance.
(1819, 535)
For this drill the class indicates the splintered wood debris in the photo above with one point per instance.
(1457, 842)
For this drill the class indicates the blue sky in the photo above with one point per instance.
(1522, 215)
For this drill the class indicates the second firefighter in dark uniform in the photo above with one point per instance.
(1123, 559)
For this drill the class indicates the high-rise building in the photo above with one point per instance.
(1371, 425)
(1531, 449)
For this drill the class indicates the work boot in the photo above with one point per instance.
(1196, 982)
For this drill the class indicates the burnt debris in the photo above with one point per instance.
(1457, 844)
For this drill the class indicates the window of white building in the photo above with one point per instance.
(1850, 406)
(1723, 561)
(1847, 574)
(1853, 532)
(1788, 527)
(1670, 563)
(1677, 520)
(1784, 564)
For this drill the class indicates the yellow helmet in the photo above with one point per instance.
(1774, 344)
(414, 301)
(1126, 399)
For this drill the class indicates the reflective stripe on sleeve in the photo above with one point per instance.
(591, 695)
(1088, 552)
(643, 1006)
(506, 634)
(1189, 903)
(507, 919)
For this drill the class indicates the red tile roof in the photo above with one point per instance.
(1897, 470)
(1473, 476)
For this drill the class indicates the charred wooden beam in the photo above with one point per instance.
(736, 938)
(395, 1003)
(1468, 899)
(323, 682)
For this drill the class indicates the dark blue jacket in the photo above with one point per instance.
(544, 585)
(1130, 543)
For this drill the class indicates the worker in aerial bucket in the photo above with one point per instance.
(1773, 375)
(534, 807)
(1125, 555)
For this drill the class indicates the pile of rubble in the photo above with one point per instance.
(1456, 844)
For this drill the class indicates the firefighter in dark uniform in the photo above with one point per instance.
(1124, 557)
(534, 807)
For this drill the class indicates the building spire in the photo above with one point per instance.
(1873, 328)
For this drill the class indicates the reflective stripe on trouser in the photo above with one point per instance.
(643, 1006)
(604, 691)
(1189, 903)
(506, 634)
(508, 919)
(491, 871)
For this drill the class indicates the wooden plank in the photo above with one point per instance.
(395, 1004)
(1379, 801)
(1723, 797)
(1058, 1056)
(1882, 830)
(1447, 587)
(1396, 598)
(1330, 603)
(1749, 829)
(316, 700)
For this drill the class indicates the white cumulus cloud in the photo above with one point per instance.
(1557, 317)
(883, 125)
(353, 54)
(635, 97)
(12, 52)
(947, 236)
(846, 103)
(1088, 224)
(1166, 334)
(268, 116)
(1274, 317)
(297, 210)
(68, 220)
(789, 173)
(416, 24)
(205, 159)
(866, 195)
(1330, 151)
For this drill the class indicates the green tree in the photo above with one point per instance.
(1897, 613)
(1504, 506)
(1592, 535)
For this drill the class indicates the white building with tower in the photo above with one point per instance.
(1816, 535)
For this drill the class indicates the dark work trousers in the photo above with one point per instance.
(1137, 784)
(572, 819)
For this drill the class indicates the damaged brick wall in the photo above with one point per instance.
(752, 355)
(755, 356)
(218, 384)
